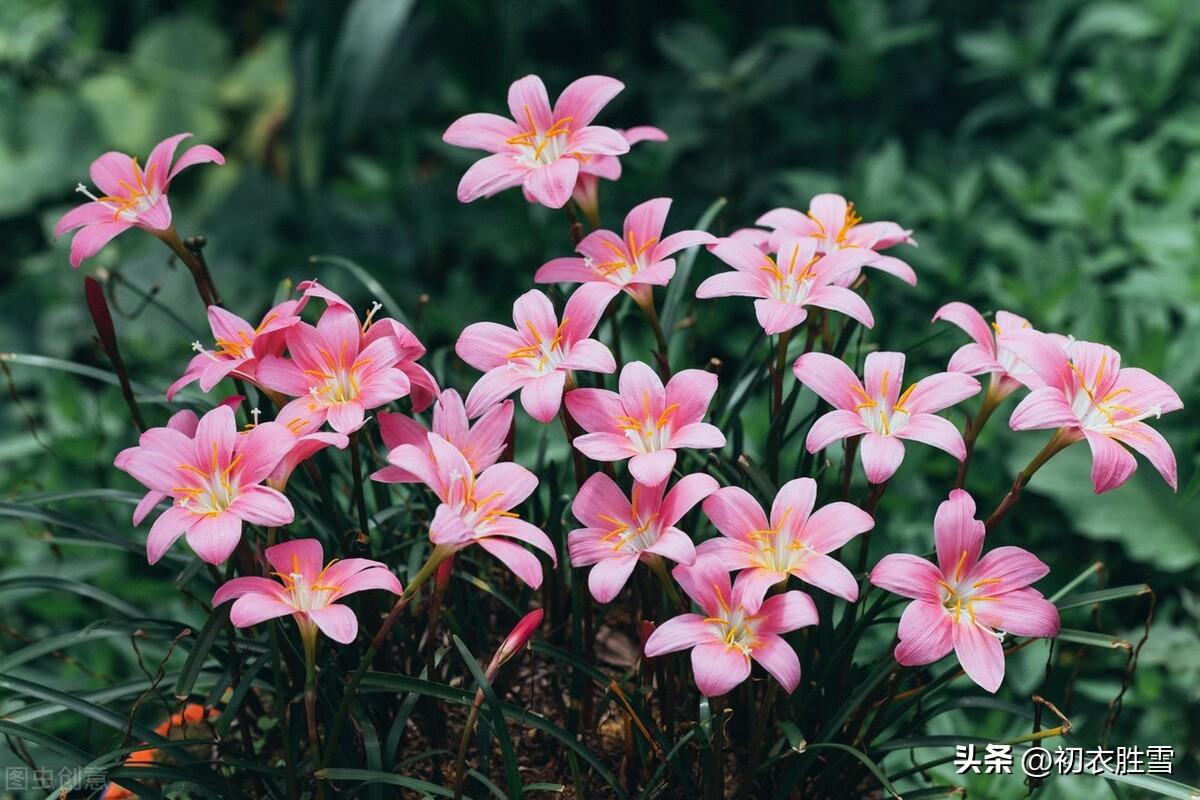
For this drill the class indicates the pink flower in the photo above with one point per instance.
(966, 603)
(478, 510)
(538, 354)
(835, 226)
(423, 387)
(734, 628)
(1088, 395)
(339, 372)
(306, 589)
(646, 422)
(517, 638)
(990, 352)
(635, 262)
(800, 277)
(239, 346)
(481, 444)
(621, 532)
(796, 541)
(540, 151)
(593, 168)
(307, 440)
(879, 411)
(133, 197)
(213, 475)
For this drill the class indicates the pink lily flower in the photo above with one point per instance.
(132, 197)
(635, 262)
(1088, 395)
(621, 532)
(734, 628)
(537, 355)
(785, 285)
(336, 370)
(308, 589)
(879, 412)
(966, 603)
(306, 442)
(239, 346)
(478, 510)
(646, 422)
(541, 150)
(592, 168)
(423, 388)
(990, 352)
(481, 444)
(184, 422)
(835, 225)
(796, 541)
(214, 477)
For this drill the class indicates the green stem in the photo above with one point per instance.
(460, 761)
(197, 267)
(438, 555)
(660, 571)
(1057, 442)
(281, 702)
(662, 355)
(776, 368)
(990, 403)
(310, 691)
(360, 498)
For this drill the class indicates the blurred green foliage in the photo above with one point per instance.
(1046, 155)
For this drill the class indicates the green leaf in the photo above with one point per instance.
(683, 270)
(1092, 639)
(512, 775)
(389, 682)
(368, 776)
(866, 761)
(370, 30)
(53, 583)
(1156, 783)
(204, 642)
(1104, 596)
(374, 287)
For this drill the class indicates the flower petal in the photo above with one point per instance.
(935, 432)
(214, 537)
(583, 99)
(835, 425)
(735, 513)
(610, 575)
(957, 535)
(551, 184)
(940, 391)
(652, 468)
(1112, 464)
(908, 576)
(686, 493)
(481, 132)
(489, 176)
(679, 633)
(926, 634)
(779, 659)
(261, 505)
(881, 456)
(980, 654)
(718, 668)
(830, 378)
(336, 621)
(542, 396)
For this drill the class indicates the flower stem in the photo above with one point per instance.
(106, 335)
(1057, 442)
(660, 571)
(310, 691)
(281, 702)
(990, 403)
(195, 265)
(872, 503)
(661, 355)
(360, 499)
(571, 430)
(460, 761)
(438, 555)
(776, 367)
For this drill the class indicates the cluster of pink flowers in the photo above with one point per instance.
(802, 268)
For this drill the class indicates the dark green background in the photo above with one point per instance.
(1045, 154)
